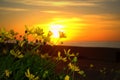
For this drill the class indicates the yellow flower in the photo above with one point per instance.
(61, 58)
(73, 67)
(16, 53)
(81, 72)
(45, 55)
(31, 76)
(64, 59)
(7, 73)
(91, 65)
(21, 43)
(62, 34)
(67, 53)
(39, 31)
(67, 77)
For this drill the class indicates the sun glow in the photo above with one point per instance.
(57, 33)
(55, 29)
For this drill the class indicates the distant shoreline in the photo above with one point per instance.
(93, 44)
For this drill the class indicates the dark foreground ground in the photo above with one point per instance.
(106, 61)
(90, 54)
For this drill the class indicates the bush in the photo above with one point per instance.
(23, 60)
(12, 68)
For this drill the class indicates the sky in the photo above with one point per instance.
(83, 20)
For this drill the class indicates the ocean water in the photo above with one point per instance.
(94, 44)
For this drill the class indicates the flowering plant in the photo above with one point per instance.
(23, 59)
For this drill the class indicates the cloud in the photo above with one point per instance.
(54, 3)
(12, 9)
(99, 0)
(68, 6)
(66, 20)
(102, 22)
(50, 11)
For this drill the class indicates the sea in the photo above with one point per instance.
(93, 44)
(88, 44)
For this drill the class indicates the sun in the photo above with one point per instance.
(55, 29)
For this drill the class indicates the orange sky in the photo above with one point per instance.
(95, 20)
